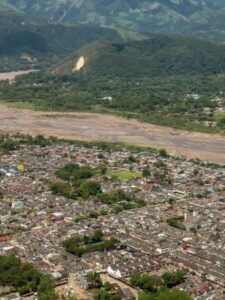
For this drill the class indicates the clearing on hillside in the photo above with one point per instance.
(79, 64)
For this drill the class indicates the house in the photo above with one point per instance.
(114, 272)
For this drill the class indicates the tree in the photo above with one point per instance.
(10, 145)
(94, 279)
(171, 201)
(172, 279)
(101, 156)
(131, 159)
(165, 294)
(146, 282)
(103, 294)
(102, 169)
(41, 141)
(108, 286)
(174, 222)
(97, 236)
(93, 214)
(89, 188)
(146, 172)
(145, 296)
(61, 188)
(222, 122)
(163, 153)
(23, 277)
(46, 289)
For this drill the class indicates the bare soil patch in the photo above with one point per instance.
(103, 127)
(12, 75)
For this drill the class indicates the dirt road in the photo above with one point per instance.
(100, 127)
(12, 75)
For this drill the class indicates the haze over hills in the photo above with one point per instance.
(203, 18)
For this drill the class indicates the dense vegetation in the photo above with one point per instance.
(103, 294)
(158, 288)
(1, 193)
(157, 56)
(24, 278)
(75, 172)
(177, 222)
(152, 283)
(76, 185)
(168, 101)
(197, 17)
(101, 291)
(120, 200)
(29, 43)
(165, 294)
(11, 143)
(86, 244)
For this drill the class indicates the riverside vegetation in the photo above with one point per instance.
(187, 102)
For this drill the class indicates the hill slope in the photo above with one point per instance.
(24, 41)
(203, 18)
(157, 56)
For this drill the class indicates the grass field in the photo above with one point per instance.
(124, 174)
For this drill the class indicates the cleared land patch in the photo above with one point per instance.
(108, 128)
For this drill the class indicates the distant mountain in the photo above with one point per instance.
(203, 18)
(25, 42)
(158, 56)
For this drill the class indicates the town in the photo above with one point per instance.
(72, 210)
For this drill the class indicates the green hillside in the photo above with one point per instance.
(203, 18)
(26, 42)
(158, 56)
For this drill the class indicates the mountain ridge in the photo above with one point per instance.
(202, 18)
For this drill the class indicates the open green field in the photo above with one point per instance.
(124, 174)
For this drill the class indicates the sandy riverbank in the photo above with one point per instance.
(103, 127)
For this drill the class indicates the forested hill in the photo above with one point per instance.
(158, 56)
(203, 18)
(26, 42)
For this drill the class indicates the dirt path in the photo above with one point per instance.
(12, 75)
(78, 291)
(102, 127)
